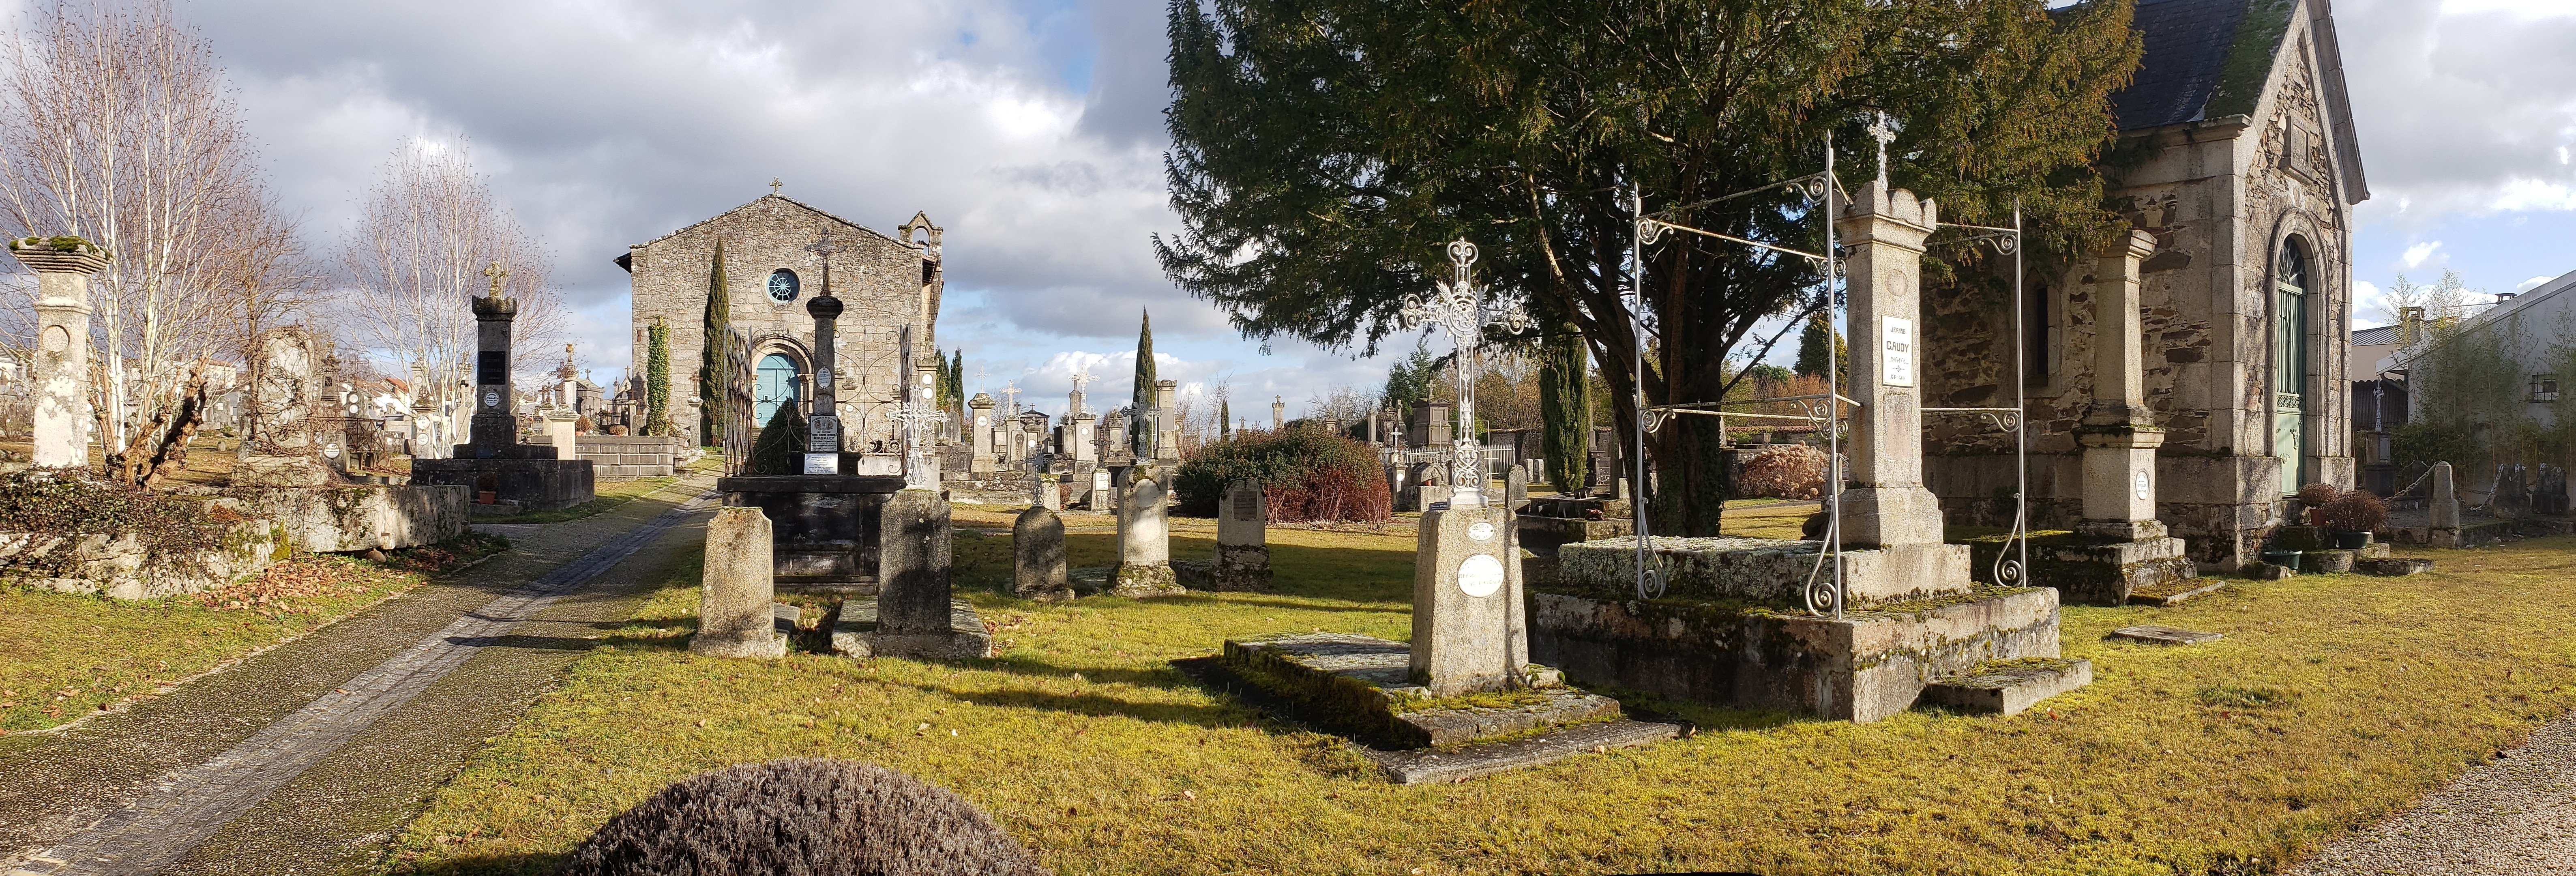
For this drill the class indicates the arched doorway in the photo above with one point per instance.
(778, 385)
(2290, 364)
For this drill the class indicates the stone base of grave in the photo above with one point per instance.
(2009, 687)
(354, 517)
(536, 482)
(856, 635)
(2388, 567)
(1141, 581)
(1362, 686)
(1088, 580)
(282, 471)
(1240, 568)
(2177, 591)
(1733, 630)
(825, 527)
(766, 647)
(2090, 571)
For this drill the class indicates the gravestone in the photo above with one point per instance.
(60, 372)
(563, 432)
(1516, 488)
(980, 429)
(1242, 539)
(735, 591)
(1101, 497)
(289, 400)
(1037, 557)
(1469, 635)
(530, 477)
(2445, 511)
(1144, 538)
(915, 613)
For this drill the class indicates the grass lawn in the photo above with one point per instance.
(63, 655)
(603, 498)
(2333, 701)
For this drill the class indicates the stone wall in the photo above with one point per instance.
(356, 518)
(885, 284)
(616, 458)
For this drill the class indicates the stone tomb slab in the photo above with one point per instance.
(856, 635)
(1362, 686)
(2010, 686)
(2393, 567)
(2163, 635)
(1768, 571)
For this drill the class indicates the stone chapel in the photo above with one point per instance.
(889, 285)
(2247, 187)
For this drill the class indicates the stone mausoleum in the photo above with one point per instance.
(2249, 174)
(889, 283)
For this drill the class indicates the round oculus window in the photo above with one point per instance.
(782, 285)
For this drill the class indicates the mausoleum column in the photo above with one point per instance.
(980, 425)
(61, 367)
(1884, 232)
(2118, 432)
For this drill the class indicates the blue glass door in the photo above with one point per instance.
(777, 386)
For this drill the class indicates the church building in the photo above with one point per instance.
(890, 287)
(2250, 172)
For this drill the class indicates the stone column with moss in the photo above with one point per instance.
(61, 374)
(2119, 434)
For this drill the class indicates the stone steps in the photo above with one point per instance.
(2176, 592)
(2007, 687)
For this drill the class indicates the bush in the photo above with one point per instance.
(52, 501)
(1787, 471)
(1306, 474)
(2317, 495)
(801, 815)
(2429, 443)
(2356, 511)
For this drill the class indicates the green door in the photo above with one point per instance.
(2290, 365)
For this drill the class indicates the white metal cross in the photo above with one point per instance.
(1458, 306)
(914, 416)
(1011, 396)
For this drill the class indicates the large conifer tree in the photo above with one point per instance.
(1564, 409)
(715, 378)
(1323, 151)
(1145, 378)
(657, 378)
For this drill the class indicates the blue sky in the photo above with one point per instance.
(1032, 132)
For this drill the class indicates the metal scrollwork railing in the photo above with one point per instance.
(2003, 419)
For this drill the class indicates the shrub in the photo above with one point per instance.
(801, 815)
(1787, 471)
(2317, 495)
(2356, 511)
(52, 501)
(1305, 473)
(780, 449)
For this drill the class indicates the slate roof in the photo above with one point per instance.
(2375, 337)
(2210, 59)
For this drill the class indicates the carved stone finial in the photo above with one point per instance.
(496, 272)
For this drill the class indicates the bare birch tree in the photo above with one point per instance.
(116, 126)
(428, 231)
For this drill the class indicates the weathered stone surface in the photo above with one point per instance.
(2088, 571)
(828, 527)
(1037, 557)
(1468, 633)
(125, 566)
(1144, 538)
(2009, 687)
(962, 637)
(2164, 635)
(735, 590)
(2393, 567)
(2327, 561)
(1362, 685)
(341, 519)
(1442, 766)
(1866, 665)
(1242, 540)
(537, 483)
(913, 558)
(2177, 591)
(1766, 571)
(59, 367)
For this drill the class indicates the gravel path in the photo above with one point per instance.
(308, 757)
(2511, 815)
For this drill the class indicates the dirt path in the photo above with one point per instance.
(307, 757)
(2511, 815)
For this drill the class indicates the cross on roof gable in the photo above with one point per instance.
(623, 260)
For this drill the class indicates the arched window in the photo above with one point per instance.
(2290, 284)
(778, 386)
(783, 285)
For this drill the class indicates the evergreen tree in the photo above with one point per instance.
(1811, 349)
(1565, 409)
(780, 449)
(1408, 381)
(715, 379)
(1145, 395)
(1324, 151)
(1224, 421)
(657, 379)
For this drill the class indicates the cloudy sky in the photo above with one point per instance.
(1030, 130)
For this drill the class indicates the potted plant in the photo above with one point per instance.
(2314, 498)
(2354, 516)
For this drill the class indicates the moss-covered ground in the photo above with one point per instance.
(64, 655)
(2334, 700)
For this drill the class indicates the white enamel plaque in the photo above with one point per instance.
(822, 463)
(1481, 531)
(491, 399)
(822, 377)
(1896, 351)
(2138, 486)
(1480, 575)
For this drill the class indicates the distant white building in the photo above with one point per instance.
(2535, 330)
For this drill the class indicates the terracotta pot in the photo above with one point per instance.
(2316, 517)
(487, 497)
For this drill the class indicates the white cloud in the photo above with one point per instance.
(2530, 284)
(2419, 253)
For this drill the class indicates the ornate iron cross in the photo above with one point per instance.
(1459, 307)
(915, 416)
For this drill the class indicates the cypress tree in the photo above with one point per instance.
(1811, 348)
(1145, 364)
(657, 379)
(715, 380)
(1224, 421)
(780, 450)
(1564, 409)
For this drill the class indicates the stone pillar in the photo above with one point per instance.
(1079, 440)
(1037, 557)
(1884, 232)
(1278, 413)
(735, 591)
(823, 427)
(2444, 509)
(1144, 537)
(1168, 417)
(1242, 539)
(980, 429)
(2118, 432)
(1469, 634)
(61, 373)
(562, 431)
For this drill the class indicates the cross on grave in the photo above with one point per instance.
(1459, 307)
(914, 415)
(773, 185)
(1011, 395)
(1881, 130)
(496, 272)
